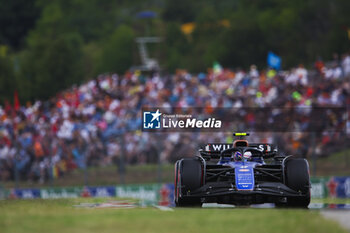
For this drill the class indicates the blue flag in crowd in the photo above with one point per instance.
(274, 61)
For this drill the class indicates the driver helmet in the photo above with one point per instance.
(237, 156)
(247, 155)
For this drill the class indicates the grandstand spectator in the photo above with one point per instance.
(86, 125)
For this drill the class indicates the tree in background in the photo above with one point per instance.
(53, 66)
(117, 51)
(207, 39)
(53, 60)
(53, 44)
(176, 48)
(7, 78)
(17, 17)
(181, 11)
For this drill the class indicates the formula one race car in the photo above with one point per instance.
(242, 173)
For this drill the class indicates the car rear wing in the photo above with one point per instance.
(213, 150)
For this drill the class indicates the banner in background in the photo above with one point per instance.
(333, 187)
(70, 192)
(160, 194)
(318, 189)
(339, 187)
(24, 193)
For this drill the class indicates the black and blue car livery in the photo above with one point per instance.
(242, 173)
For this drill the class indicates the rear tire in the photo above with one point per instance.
(187, 179)
(297, 178)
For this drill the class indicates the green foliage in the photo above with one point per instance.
(16, 18)
(90, 19)
(117, 51)
(181, 11)
(52, 65)
(53, 59)
(207, 39)
(57, 43)
(176, 47)
(7, 81)
(91, 57)
(244, 42)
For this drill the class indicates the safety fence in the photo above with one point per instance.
(161, 194)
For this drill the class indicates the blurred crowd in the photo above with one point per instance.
(98, 123)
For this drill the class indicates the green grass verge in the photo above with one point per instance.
(337, 164)
(331, 200)
(60, 216)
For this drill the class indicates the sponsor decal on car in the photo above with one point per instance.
(244, 170)
(217, 147)
(244, 178)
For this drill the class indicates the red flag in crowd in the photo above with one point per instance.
(16, 103)
(8, 107)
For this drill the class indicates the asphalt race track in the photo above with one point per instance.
(337, 212)
(341, 216)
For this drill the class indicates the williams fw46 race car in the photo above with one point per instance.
(242, 173)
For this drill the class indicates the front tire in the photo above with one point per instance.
(188, 177)
(297, 178)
